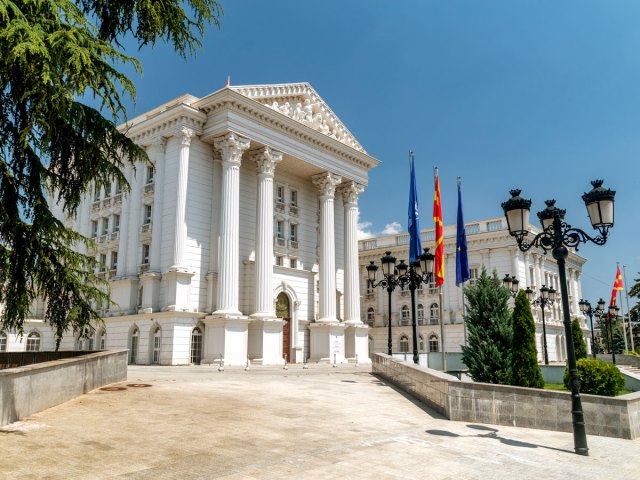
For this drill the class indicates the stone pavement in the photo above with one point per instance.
(270, 423)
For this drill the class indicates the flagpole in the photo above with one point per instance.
(444, 356)
(626, 293)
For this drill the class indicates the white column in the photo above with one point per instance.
(350, 193)
(158, 195)
(180, 227)
(123, 242)
(326, 183)
(231, 147)
(266, 160)
(134, 205)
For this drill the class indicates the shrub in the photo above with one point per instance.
(597, 377)
(579, 345)
(525, 371)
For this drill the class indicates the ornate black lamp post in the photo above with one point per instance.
(403, 276)
(556, 236)
(613, 315)
(547, 297)
(511, 283)
(587, 309)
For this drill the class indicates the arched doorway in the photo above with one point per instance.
(283, 310)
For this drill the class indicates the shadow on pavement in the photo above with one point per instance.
(493, 434)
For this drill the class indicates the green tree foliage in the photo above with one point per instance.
(489, 331)
(579, 344)
(525, 371)
(54, 52)
(597, 377)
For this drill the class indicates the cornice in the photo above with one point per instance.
(165, 123)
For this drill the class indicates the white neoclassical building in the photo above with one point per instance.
(238, 241)
(489, 244)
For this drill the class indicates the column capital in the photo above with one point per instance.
(350, 192)
(266, 159)
(157, 145)
(326, 183)
(186, 134)
(231, 147)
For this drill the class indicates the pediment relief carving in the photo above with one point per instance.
(300, 102)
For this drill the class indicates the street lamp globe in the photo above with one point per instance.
(517, 210)
(600, 306)
(544, 291)
(552, 294)
(547, 215)
(427, 261)
(529, 293)
(402, 268)
(372, 268)
(388, 264)
(599, 202)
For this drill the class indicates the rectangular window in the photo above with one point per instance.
(145, 253)
(280, 194)
(293, 232)
(105, 225)
(118, 187)
(280, 229)
(293, 198)
(114, 260)
(116, 223)
(151, 170)
(96, 194)
(279, 260)
(94, 229)
(3, 342)
(293, 262)
(103, 261)
(473, 274)
(148, 212)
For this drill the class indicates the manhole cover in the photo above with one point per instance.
(138, 385)
(113, 389)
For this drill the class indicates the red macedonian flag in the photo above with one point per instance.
(617, 285)
(437, 218)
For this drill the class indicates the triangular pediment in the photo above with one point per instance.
(302, 103)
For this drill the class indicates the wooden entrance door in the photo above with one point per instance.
(283, 310)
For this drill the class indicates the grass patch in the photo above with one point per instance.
(562, 388)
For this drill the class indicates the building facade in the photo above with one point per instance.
(489, 245)
(238, 241)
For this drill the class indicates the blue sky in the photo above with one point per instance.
(540, 95)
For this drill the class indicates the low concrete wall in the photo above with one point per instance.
(30, 389)
(514, 406)
(620, 359)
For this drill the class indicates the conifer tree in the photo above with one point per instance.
(525, 371)
(579, 345)
(54, 54)
(489, 330)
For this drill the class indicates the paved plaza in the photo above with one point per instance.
(270, 423)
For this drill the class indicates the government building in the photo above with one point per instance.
(237, 242)
(489, 245)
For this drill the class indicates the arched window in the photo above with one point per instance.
(421, 343)
(196, 346)
(133, 352)
(157, 341)
(371, 315)
(3, 342)
(404, 344)
(102, 339)
(33, 342)
(434, 343)
(420, 314)
(405, 314)
(434, 313)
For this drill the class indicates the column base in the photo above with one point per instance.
(178, 289)
(357, 343)
(225, 337)
(265, 340)
(327, 342)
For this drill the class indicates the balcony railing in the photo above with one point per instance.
(293, 210)
(146, 228)
(106, 203)
(148, 188)
(293, 243)
(114, 235)
(143, 267)
(279, 207)
(281, 242)
(405, 293)
(102, 238)
(117, 199)
(95, 206)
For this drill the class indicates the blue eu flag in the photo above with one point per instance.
(415, 245)
(462, 260)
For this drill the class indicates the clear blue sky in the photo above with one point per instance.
(540, 95)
